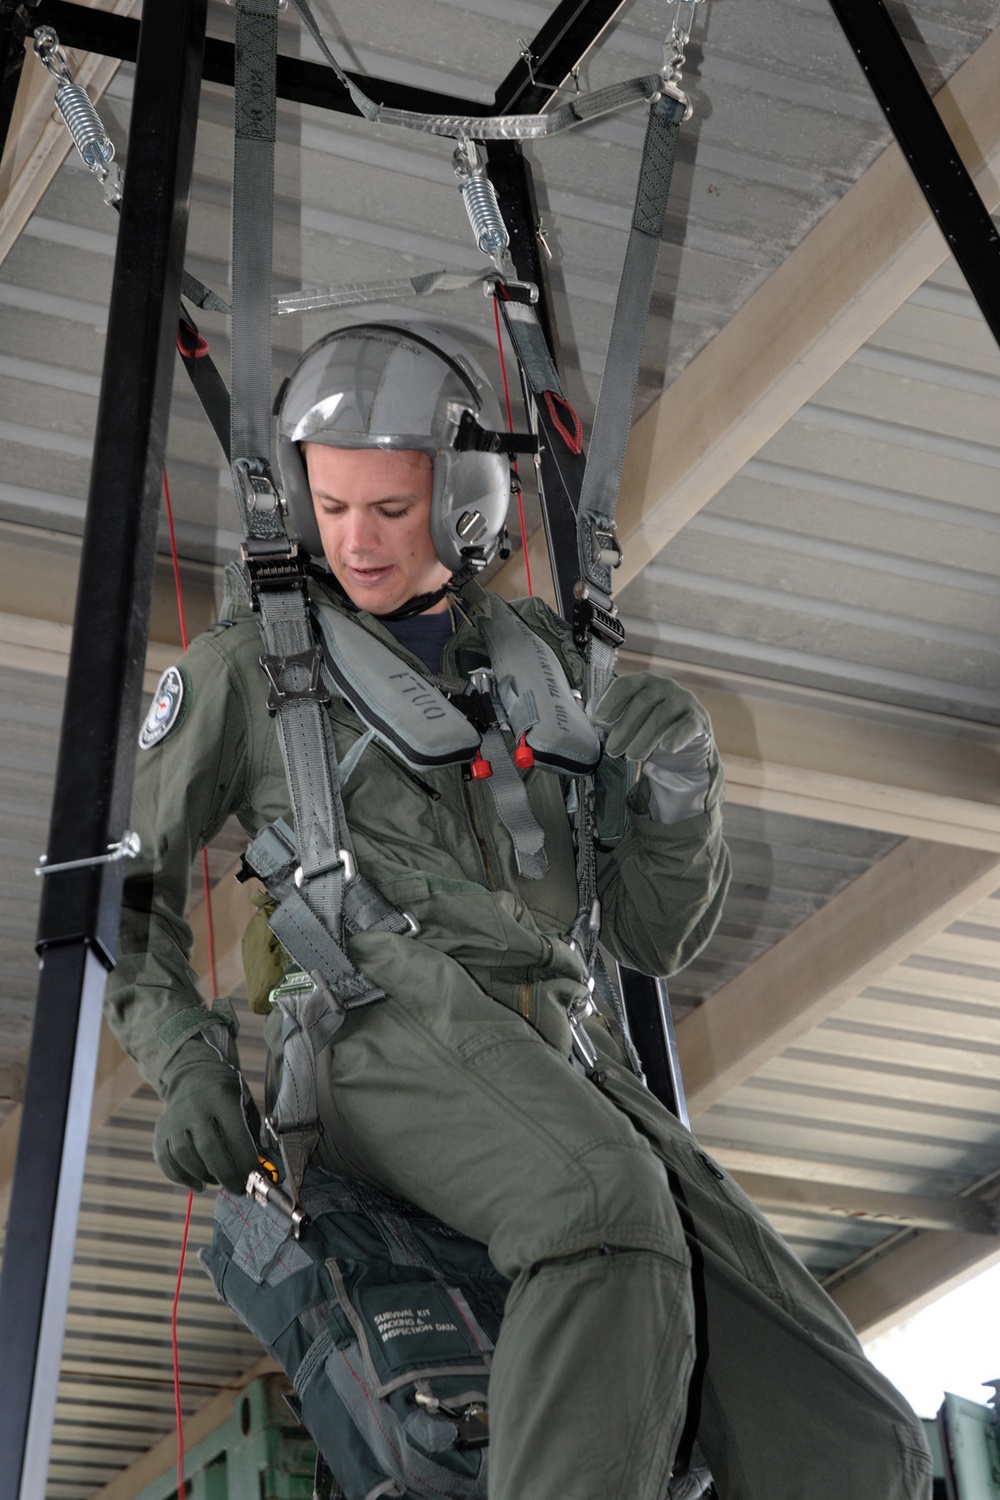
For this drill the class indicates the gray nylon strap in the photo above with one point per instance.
(253, 203)
(309, 921)
(521, 322)
(306, 741)
(606, 451)
(201, 295)
(612, 420)
(357, 293)
(309, 1025)
(306, 938)
(273, 856)
(514, 809)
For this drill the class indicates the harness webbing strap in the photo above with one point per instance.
(525, 331)
(612, 421)
(310, 873)
(209, 386)
(253, 214)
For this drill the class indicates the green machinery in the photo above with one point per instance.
(262, 1453)
(964, 1440)
(259, 1453)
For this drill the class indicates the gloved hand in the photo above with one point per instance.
(657, 722)
(207, 1132)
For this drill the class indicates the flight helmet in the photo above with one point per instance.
(393, 385)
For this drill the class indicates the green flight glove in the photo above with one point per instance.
(209, 1128)
(657, 722)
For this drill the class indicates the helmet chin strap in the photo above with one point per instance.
(422, 602)
(415, 606)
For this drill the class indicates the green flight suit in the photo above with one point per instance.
(637, 1265)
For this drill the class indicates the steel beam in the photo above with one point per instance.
(560, 45)
(298, 80)
(928, 148)
(79, 916)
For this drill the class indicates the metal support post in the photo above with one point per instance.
(80, 907)
(929, 150)
(651, 1024)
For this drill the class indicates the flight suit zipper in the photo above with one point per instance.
(481, 836)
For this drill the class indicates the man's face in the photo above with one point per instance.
(373, 508)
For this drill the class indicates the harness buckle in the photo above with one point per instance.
(592, 619)
(343, 857)
(267, 571)
(276, 667)
(583, 1048)
(255, 486)
(605, 547)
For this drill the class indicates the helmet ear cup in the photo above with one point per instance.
(469, 506)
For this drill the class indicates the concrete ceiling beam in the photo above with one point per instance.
(907, 897)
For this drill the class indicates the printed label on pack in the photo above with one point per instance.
(416, 1324)
(165, 709)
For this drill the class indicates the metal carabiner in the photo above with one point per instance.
(683, 23)
(675, 45)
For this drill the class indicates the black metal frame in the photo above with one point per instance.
(930, 152)
(79, 917)
(80, 910)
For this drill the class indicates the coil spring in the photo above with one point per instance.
(481, 205)
(84, 125)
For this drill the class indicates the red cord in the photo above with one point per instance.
(574, 439)
(510, 428)
(181, 1486)
(213, 983)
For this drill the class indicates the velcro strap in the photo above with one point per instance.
(193, 1019)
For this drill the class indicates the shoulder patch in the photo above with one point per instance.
(169, 705)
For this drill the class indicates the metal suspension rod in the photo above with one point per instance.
(80, 906)
(929, 150)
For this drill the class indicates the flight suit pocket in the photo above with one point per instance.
(740, 1234)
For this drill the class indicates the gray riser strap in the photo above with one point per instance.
(612, 421)
(253, 214)
(309, 920)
